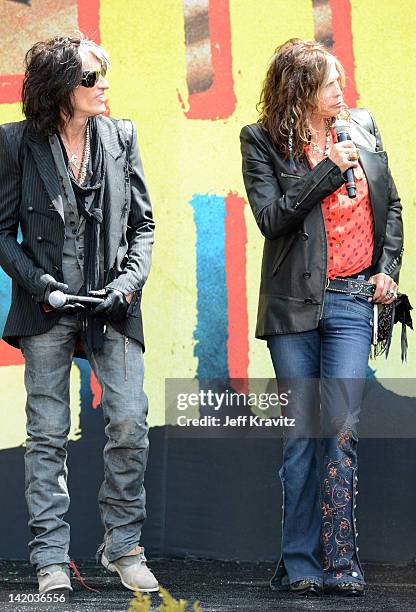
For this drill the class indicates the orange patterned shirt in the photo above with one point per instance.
(349, 224)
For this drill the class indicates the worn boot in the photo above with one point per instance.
(54, 578)
(133, 571)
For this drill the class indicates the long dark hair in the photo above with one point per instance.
(297, 71)
(53, 71)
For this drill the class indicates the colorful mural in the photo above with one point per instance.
(189, 74)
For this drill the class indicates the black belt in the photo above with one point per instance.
(351, 286)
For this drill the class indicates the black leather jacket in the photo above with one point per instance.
(287, 210)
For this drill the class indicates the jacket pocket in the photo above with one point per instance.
(280, 257)
(134, 307)
(289, 298)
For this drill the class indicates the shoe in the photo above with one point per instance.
(133, 571)
(54, 578)
(348, 589)
(306, 587)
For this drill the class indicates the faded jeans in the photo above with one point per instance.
(118, 367)
(319, 534)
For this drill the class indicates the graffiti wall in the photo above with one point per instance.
(190, 75)
(189, 72)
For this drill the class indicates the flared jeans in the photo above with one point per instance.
(325, 370)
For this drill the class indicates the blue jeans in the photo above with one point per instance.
(119, 369)
(329, 364)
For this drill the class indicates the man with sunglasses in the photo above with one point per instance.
(73, 181)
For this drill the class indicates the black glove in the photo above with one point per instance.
(54, 285)
(114, 307)
(70, 308)
(50, 284)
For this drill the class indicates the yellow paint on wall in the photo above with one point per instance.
(385, 58)
(10, 112)
(13, 401)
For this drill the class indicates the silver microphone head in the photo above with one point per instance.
(57, 299)
(340, 126)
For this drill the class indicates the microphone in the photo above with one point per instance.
(57, 299)
(341, 128)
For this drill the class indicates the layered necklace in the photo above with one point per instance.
(325, 151)
(316, 149)
(73, 156)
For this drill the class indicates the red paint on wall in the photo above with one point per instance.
(89, 18)
(10, 355)
(219, 101)
(88, 23)
(343, 46)
(235, 273)
(10, 88)
(96, 391)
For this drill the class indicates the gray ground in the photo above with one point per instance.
(219, 586)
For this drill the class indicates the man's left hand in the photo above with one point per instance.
(114, 307)
(386, 288)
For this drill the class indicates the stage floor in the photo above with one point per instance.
(219, 586)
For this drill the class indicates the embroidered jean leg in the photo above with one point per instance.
(119, 369)
(345, 350)
(339, 535)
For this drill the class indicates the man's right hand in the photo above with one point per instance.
(54, 285)
(51, 285)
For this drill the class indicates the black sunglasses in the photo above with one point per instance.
(90, 77)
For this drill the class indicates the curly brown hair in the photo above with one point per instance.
(297, 72)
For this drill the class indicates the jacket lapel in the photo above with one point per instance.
(44, 161)
(362, 137)
(374, 165)
(114, 190)
(109, 137)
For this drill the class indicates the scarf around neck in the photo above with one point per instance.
(93, 275)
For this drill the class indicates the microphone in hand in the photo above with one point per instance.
(49, 285)
(341, 127)
(64, 301)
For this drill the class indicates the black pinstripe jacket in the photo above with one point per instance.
(30, 196)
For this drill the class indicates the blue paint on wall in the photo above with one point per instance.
(212, 319)
(5, 297)
(5, 293)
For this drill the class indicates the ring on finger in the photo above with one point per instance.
(354, 155)
(391, 294)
